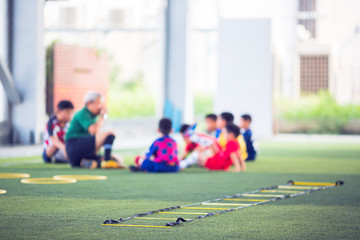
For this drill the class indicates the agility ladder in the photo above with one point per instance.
(228, 203)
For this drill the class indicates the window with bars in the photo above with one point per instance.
(314, 73)
(307, 19)
(307, 6)
(310, 25)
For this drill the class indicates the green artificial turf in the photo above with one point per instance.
(76, 211)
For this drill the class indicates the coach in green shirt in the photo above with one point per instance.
(84, 139)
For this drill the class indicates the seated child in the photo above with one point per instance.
(196, 142)
(190, 145)
(245, 122)
(162, 155)
(224, 159)
(226, 118)
(211, 125)
(54, 142)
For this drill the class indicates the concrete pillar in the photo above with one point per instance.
(28, 70)
(3, 55)
(178, 90)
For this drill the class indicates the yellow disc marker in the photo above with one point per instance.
(2, 191)
(48, 181)
(81, 177)
(14, 175)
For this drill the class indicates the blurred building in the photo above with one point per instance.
(131, 33)
(326, 46)
(311, 39)
(315, 43)
(314, 46)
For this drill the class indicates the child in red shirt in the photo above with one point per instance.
(223, 160)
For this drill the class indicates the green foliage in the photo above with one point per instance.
(135, 84)
(203, 104)
(113, 74)
(320, 109)
(128, 104)
(130, 99)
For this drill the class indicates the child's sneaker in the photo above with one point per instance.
(110, 164)
(134, 169)
(89, 163)
(119, 160)
(115, 162)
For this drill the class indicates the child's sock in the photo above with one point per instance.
(190, 160)
(108, 146)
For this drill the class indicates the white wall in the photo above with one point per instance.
(348, 77)
(283, 32)
(245, 71)
(337, 20)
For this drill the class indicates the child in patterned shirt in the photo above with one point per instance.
(56, 127)
(162, 155)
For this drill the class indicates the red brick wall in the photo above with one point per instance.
(76, 71)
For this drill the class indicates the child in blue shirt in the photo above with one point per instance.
(162, 154)
(245, 122)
